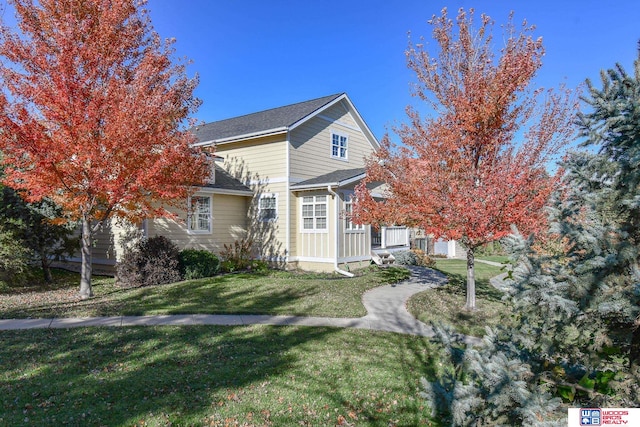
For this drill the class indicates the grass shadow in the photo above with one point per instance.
(211, 375)
(119, 376)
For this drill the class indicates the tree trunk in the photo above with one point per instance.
(46, 266)
(471, 281)
(85, 271)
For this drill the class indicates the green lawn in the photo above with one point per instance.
(213, 376)
(276, 292)
(503, 259)
(228, 376)
(446, 303)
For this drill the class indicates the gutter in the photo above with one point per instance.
(335, 259)
(236, 138)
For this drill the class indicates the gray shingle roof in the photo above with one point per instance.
(224, 181)
(338, 178)
(274, 118)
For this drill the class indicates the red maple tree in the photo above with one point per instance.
(92, 111)
(478, 165)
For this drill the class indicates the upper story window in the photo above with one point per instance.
(199, 214)
(314, 213)
(339, 144)
(348, 208)
(268, 207)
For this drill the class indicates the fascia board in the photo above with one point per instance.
(246, 136)
(324, 185)
(210, 190)
(318, 111)
(352, 180)
(370, 136)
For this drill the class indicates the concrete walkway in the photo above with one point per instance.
(386, 311)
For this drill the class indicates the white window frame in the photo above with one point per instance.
(314, 203)
(339, 147)
(273, 196)
(349, 226)
(190, 214)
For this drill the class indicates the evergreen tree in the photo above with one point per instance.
(33, 226)
(14, 257)
(578, 312)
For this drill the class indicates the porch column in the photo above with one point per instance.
(383, 237)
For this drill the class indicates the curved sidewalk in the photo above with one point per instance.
(386, 311)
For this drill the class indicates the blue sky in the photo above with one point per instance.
(255, 54)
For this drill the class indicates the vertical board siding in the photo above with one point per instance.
(354, 245)
(316, 244)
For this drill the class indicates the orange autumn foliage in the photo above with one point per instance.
(92, 111)
(480, 164)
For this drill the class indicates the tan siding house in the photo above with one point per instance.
(301, 161)
(216, 214)
(285, 179)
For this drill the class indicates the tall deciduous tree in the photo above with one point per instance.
(478, 165)
(577, 310)
(92, 112)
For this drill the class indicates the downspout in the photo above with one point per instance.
(287, 214)
(335, 259)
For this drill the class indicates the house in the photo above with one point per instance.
(302, 162)
(285, 179)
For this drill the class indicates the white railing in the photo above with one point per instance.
(395, 236)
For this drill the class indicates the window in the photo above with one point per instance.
(314, 213)
(338, 146)
(268, 207)
(199, 215)
(348, 208)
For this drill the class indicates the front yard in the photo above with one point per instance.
(276, 292)
(221, 375)
(212, 376)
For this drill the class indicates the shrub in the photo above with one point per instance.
(197, 264)
(424, 260)
(259, 266)
(406, 258)
(151, 261)
(237, 256)
(414, 257)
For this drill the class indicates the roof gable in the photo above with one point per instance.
(263, 122)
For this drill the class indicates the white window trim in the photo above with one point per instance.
(268, 196)
(189, 204)
(314, 230)
(359, 228)
(346, 154)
